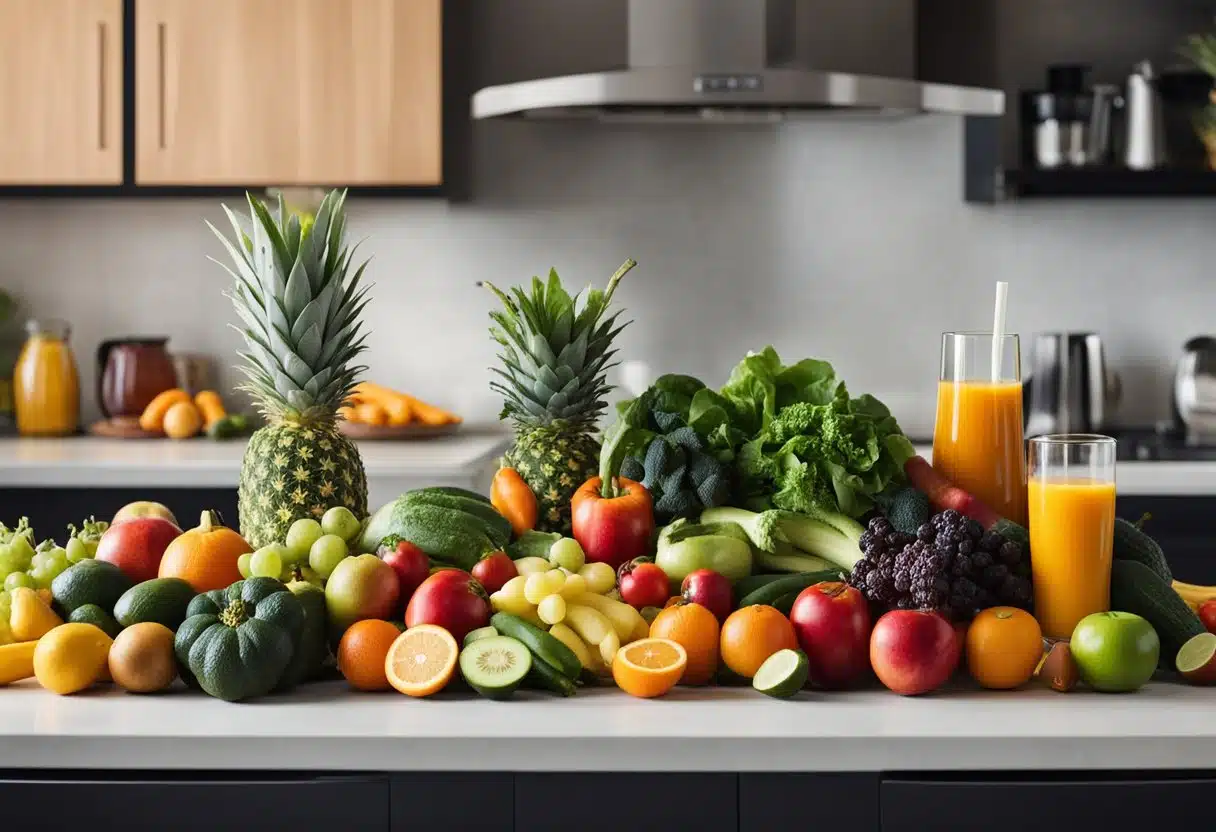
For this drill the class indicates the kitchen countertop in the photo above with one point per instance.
(200, 463)
(324, 726)
(1164, 479)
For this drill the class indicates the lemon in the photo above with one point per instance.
(71, 657)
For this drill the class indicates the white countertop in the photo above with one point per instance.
(1165, 479)
(202, 463)
(327, 727)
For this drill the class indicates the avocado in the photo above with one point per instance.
(163, 600)
(89, 582)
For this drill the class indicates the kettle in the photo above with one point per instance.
(130, 373)
(1070, 389)
(1195, 389)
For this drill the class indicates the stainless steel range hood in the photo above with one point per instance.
(726, 61)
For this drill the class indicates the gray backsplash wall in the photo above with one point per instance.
(843, 240)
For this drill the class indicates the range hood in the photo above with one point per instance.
(726, 61)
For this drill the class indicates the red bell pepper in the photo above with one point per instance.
(615, 528)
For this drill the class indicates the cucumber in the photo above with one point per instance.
(99, 618)
(495, 666)
(497, 527)
(543, 646)
(1136, 588)
(786, 602)
(543, 676)
(795, 583)
(453, 491)
(163, 600)
(454, 537)
(746, 586)
(532, 545)
(1131, 543)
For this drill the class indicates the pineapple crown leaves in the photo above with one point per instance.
(301, 315)
(554, 353)
(1201, 51)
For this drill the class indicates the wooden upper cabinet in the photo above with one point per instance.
(281, 92)
(60, 92)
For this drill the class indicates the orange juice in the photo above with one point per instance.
(1072, 526)
(977, 442)
(46, 389)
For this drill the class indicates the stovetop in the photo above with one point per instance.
(1161, 444)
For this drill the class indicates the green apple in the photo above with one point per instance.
(1115, 651)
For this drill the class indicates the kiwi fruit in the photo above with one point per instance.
(141, 658)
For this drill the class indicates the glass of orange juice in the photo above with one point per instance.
(1072, 527)
(977, 441)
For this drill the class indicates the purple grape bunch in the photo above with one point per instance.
(951, 564)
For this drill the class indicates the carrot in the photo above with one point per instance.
(428, 414)
(211, 406)
(347, 412)
(371, 414)
(153, 417)
(514, 500)
(395, 404)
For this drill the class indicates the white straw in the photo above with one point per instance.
(998, 328)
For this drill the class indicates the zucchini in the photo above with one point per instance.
(542, 645)
(543, 676)
(454, 537)
(786, 602)
(1136, 588)
(787, 584)
(1131, 543)
(497, 527)
(746, 586)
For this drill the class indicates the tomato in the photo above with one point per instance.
(711, 590)
(494, 570)
(451, 599)
(411, 565)
(643, 584)
(1207, 614)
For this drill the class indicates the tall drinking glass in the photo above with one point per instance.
(977, 442)
(1072, 527)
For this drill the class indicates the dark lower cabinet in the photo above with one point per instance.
(839, 802)
(1115, 805)
(231, 804)
(606, 802)
(470, 802)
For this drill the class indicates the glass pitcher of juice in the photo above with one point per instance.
(46, 389)
(977, 441)
(1072, 528)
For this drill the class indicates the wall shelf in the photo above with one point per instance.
(1109, 183)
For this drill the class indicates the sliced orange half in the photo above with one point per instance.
(421, 660)
(649, 667)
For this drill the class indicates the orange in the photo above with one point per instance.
(206, 556)
(649, 667)
(421, 660)
(752, 634)
(1004, 645)
(362, 651)
(694, 628)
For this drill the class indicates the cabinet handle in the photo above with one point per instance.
(101, 86)
(160, 62)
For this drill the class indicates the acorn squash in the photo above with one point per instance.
(237, 642)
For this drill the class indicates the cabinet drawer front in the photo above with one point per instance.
(352, 804)
(470, 802)
(1044, 806)
(618, 802)
(780, 800)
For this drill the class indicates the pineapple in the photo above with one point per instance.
(302, 333)
(554, 357)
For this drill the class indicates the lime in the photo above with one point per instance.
(1196, 659)
(783, 674)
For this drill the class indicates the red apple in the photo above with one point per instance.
(711, 590)
(411, 565)
(450, 599)
(913, 651)
(832, 620)
(143, 508)
(361, 587)
(135, 546)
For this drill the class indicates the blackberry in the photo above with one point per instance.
(974, 530)
(880, 526)
(966, 547)
(962, 566)
(981, 560)
(991, 542)
(1010, 552)
(926, 532)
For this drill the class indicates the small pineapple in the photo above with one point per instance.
(554, 358)
(302, 333)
